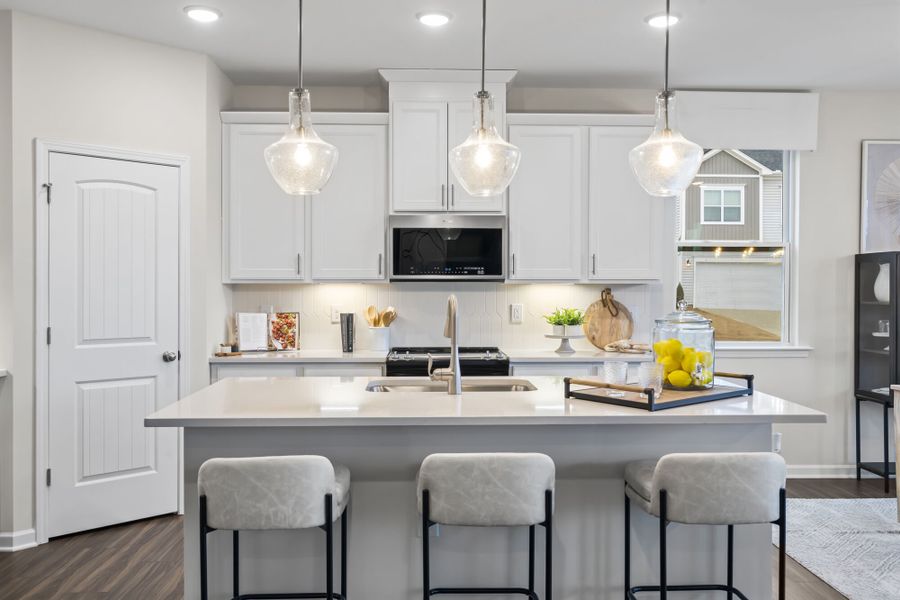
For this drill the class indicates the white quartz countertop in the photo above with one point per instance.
(304, 356)
(379, 356)
(342, 401)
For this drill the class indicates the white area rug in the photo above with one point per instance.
(852, 545)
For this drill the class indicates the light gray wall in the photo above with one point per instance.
(83, 85)
(694, 230)
(7, 317)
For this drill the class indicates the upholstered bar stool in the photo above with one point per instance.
(706, 489)
(488, 490)
(277, 492)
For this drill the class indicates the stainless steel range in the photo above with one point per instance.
(477, 360)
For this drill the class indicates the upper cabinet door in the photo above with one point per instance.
(419, 156)
(265, 226)
(626, 224)
(348, 215)
(461, 117)
(545, 203)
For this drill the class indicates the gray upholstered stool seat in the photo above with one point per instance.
(737, 488)
(273, 492)
(488, 490)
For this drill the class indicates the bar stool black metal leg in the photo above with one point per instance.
(887, 459)
(858, 443)
(548, 550)
(662, 545)
(627, 546)
(782, 542)
(730, 562)
(204, 592)
(235, 564)
(426, 524)
(329, 549)
(531, 559)
(344, 552)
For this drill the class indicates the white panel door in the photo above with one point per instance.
(265, 225)
(625, 223)
(419, 156)
(546, 200)
(348, 215)
(459, 124)
(113, 312)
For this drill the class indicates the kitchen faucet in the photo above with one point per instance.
(451, 330)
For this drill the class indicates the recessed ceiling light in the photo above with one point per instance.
(659, 20)
(434, 18)
(202, 14)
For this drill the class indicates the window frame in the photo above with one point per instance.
(789, 346)
(722, 188)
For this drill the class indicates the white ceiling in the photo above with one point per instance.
(747, 44)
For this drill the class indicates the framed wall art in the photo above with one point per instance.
(880, 203)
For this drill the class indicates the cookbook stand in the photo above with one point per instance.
(645, 398)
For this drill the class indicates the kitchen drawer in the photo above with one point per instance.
(550, 369)
(220, 371)
(343, 370)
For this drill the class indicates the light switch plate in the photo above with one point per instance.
(516, 313)
(335, 313)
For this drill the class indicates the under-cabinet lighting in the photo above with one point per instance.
(660, 20)
(433, 18)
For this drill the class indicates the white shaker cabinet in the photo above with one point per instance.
(264, 227)
(546, 200)
(419, 156)
(625, 224)
(347, 226)
(338, 234)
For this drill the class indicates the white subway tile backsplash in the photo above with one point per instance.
(421, 309)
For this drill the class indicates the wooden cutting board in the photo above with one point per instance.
(607, 320)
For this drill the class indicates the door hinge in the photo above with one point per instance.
(48, 477)
(48, 336)
(49, 188)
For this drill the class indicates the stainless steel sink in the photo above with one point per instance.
(407, 385)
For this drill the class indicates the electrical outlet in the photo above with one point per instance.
(335, 313)
(516, 313)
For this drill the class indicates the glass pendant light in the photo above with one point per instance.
(484, 163)
(301, 162)
(665, 164)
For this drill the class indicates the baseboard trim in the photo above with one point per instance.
(823, 472)
(13, 541)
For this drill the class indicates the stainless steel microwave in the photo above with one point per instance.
(447, 247)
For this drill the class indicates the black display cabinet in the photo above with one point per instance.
(876, 365)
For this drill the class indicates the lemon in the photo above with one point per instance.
(669, 364)
(689, 363)
(673, 345)
(679, 379)
(704, 358)
(705, 377)
(660, 348)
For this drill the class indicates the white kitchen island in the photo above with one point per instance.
(383, 436)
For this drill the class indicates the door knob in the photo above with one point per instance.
(169, 356)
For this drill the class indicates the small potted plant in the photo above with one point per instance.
(566, 321)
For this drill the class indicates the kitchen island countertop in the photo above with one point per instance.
(344, 401)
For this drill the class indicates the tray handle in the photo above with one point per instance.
(603, 385)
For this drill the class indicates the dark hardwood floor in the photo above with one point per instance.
(142, 560)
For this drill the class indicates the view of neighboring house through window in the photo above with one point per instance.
(733, 246)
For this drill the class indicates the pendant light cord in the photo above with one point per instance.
(483, 38)
(666, 85)
(300, 44)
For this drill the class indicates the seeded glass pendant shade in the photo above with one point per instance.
(665, 164)
(301, 162)
(484, 163)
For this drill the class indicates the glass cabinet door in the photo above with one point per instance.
(876, 278)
